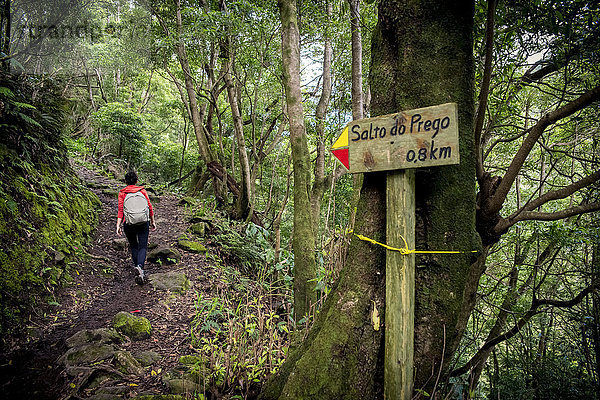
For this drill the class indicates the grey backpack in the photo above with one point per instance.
(135, 208)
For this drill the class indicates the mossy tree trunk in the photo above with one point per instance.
(303, 241)
(421, 56)
(342, 356)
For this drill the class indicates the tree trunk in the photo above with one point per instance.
(342, 356)
(357, 91)
(422, 56)
(320, 181)
(183, 149)
(303, 240)
(203, 147)
(277, 220)
(540, 355)
(596, 312)
(89, 85)
(357, 95)
(242, 207)
(5, 27)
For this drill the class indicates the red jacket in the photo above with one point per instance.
(132, 189)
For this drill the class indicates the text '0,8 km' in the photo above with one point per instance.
(418, 138)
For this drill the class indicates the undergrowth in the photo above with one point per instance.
(240, 341)
(242, 329)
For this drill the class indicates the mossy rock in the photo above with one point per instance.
(200, 217)
(182, 386)
(97, 185)
(127, 364)
(152, 245)
(183, 236)
(158, 397)
(192, 246)
(100, 336)
(147, 358)
(194, 368)
(100, 376)
(78, 371)
(136, 328)
(190, 360)
(199, 228)
(164, 255)
(176, 282)
(87, 354)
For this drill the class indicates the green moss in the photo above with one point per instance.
(190, 360)
(340, 357)
(43, 210)
(137, 328)
(198, 228)
(194, 247)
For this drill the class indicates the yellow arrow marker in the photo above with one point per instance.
(342, 140)
(340, 149)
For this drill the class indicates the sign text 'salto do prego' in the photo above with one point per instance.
(418, 138)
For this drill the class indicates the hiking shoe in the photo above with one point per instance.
(140, 278)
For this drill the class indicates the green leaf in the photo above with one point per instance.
(18, 104)
(16, 64)
(6, 92)
(30, 120)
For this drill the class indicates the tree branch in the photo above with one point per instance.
(485, 86)
(553, 216)
(533, 310)
(556, 195)
(552, 65)
(494, 204)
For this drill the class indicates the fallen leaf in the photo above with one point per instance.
(375, 317)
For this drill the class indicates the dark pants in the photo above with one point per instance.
(137, 235)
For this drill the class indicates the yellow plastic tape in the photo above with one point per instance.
(406, 250)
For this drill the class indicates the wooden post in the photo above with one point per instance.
(399, 143)
(400, 286)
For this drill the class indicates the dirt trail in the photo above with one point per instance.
(105, 286)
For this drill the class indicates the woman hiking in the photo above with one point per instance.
(135, 217)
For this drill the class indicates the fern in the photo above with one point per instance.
(20, 105)
(6, 92)
(30, 120)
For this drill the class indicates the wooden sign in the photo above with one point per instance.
(419, 138)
